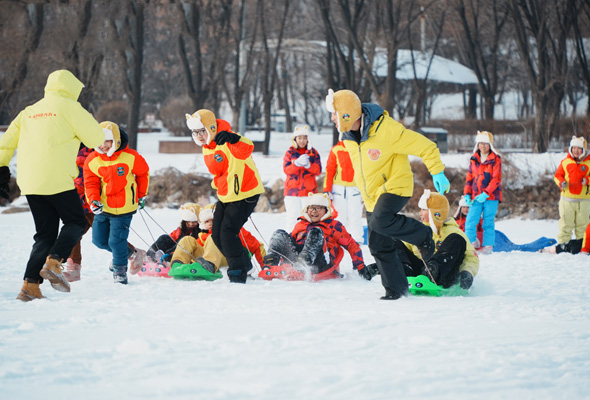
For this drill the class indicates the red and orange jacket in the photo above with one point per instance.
(461, 218)
(572, 172)
(486, 177)
(235, 175)
(301, 181)
(335, 237)
(83, 154)
(586, 240)
(119, 181)
(339, 170)
(248, 240)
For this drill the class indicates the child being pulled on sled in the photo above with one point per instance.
(454, 260)
(203, 250)
(117, 180)
(573, 246)
(165, 245)
(315, 234)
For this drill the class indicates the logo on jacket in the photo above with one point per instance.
(120, 171)
(374, 154)
(218, 157)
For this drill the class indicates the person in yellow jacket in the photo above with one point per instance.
(47, 136)
(379, 148)
(454, 260)
(346, 197)
(228, 156)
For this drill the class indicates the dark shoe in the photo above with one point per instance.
(271, 259)
(426, 248)
(432, 271)
(237, 276)
(390, 295)
(465, 279)
(120, 274)
(209, 266)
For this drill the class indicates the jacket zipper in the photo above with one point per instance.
(236, 184)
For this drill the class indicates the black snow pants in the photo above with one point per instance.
(310, 252)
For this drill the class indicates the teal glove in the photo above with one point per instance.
(468, 200)
(441, 183)
(141, 202)
(483, 196)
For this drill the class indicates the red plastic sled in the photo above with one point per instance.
(287, 272)
(151, 269)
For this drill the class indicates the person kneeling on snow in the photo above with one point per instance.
(315, 234)
(203, 250)
(454, 260)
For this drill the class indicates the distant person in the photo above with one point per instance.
(573, 178)
(302, 165)
(574, 246)
(483, 190)
(47, 136)
(346, 197)
(228, 156)
(117, 180)
(379, 148)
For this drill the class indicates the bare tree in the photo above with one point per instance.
(582, 20)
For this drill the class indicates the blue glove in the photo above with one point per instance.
(483, 196)
(96, 207)
(141, 202)
(468, 200)
(441, 183)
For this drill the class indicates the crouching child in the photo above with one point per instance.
(454, 260)
(117, 180)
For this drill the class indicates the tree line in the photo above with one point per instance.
(247, 59)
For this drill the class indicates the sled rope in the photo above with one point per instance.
(268, 245)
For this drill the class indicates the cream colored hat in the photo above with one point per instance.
(301, 130)
(437, 206)
(199, 120)
(578, 142)
(485, 137)
(347, 106)
(318, 199)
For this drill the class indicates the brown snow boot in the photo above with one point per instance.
(52, 271)
(73, 271)
(29, 291)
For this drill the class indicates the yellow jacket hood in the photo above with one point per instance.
(64, 84)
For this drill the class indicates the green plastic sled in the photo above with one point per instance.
(422, 286)
(193, 271)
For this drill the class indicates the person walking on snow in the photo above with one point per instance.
(483, 190)
(228, 156)
(573, 178)
(379, 148)
(346, 197)
(302, 165)
(117, 180)
(47, 136)
(454, 260)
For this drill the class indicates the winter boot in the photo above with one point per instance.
(314, 243)
(73, 271)
(390, 295)
(237, 276)
(29, 291)
(209, 266)
(136, 260)
(426, 248)
(52, 271)
(431, 270)
(120, 274)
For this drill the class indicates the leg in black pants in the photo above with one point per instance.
(449, 257)
(47, 211)
(385, 226)
(228, 220)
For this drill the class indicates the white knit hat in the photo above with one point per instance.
(318, 199)
(485, 137)
(205, 215)
(190, 212)
(578, 142)
(301, 130)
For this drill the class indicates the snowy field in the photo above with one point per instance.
(522, 332)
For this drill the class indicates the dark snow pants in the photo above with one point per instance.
(311, 251)
(385, 228)
(449, 256)
(47, 212)
(228, 220)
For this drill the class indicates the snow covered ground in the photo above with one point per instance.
(522, 332)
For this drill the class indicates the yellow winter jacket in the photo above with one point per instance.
(471, 260)
(380, 160)
(47, 135)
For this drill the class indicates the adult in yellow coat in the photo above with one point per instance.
(47, 136)
(379, 148)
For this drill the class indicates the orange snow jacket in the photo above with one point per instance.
(573, 172)
(339, 169)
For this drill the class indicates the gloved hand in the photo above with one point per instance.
(226, 137)
(465, 279)
(483, 196)
(563, 185)
(165, 257)
(141, 202)
(4, 180)
(369, 271)
(96, 207)
(441, 183)
(302, 161)
(468, 200)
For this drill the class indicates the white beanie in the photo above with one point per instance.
(301, 130)
(205, 215)
(318, 199)
(190, 212)
(485, 137)
(578, 142)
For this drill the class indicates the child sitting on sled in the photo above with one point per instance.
(165, 245)
(203, 251)
(574, 246)
(454, 260)
(314, 235)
